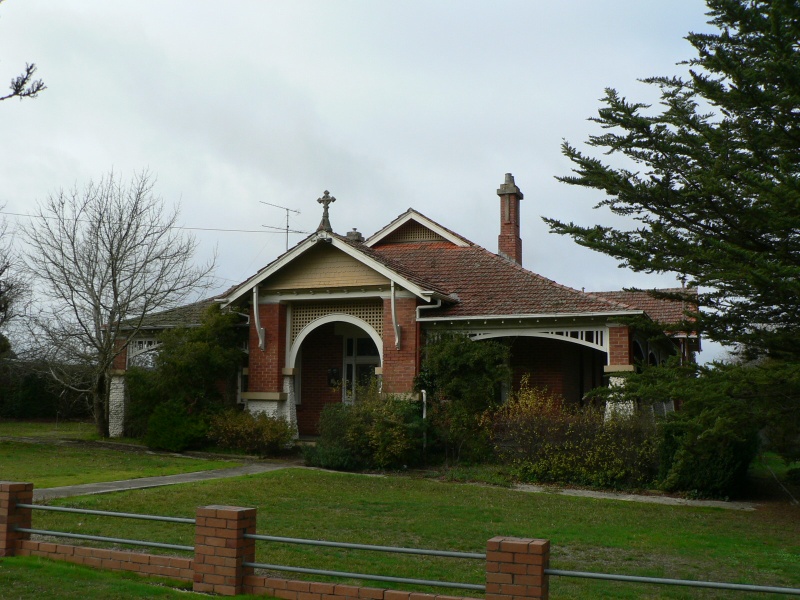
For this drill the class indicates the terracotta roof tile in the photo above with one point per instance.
(485, 284)
(667, 311)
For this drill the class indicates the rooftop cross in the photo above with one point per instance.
(325, 224)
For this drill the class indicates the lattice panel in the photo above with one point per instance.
(413, 232)
(370, 311)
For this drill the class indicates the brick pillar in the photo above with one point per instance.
(220, 548)
(12, 494)
(515, 568)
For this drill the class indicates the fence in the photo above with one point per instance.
(224, 558)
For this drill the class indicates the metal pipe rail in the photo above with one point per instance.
(683, 582)
(391, 549)
(444, 584)
(364, 576)
(105, 513)
(98, 538)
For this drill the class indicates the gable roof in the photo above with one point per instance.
(483, 283)
(408, 279)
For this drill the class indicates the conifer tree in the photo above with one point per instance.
(713, 176)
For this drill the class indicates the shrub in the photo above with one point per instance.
(464, 379)
(547, 441)
(706, 454)
(171, 428)
(374, 432)
(259, 434)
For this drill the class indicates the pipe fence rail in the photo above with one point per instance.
(224, 557)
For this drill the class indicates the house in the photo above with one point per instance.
(337, 309)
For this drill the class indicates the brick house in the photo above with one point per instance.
(336, 309)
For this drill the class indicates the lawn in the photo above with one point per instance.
(761, 547)
(49, 465)
(24, 578)
(48, 429)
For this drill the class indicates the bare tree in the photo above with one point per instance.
(105, 256)
(24, 85)
(13, 284)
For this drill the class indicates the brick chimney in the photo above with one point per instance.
(509, 243)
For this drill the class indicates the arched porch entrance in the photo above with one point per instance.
(330, 358)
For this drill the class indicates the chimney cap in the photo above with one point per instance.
(509, 187)
(355, 235)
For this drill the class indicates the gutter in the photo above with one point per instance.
(259, 328)
(394, 321)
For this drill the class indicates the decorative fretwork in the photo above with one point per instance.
(413, 232)
(142, 352)
(370, 311)
(589, 337)
(593, 338)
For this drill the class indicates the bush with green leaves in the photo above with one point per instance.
(708, 444)
(544, 439)
(261, 434)
(374, 432)
(172, 428)
(463, 379)
(194, 367)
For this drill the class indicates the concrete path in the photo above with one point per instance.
(668, 500)
(148, 482)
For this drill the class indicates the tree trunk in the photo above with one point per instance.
(99, 395)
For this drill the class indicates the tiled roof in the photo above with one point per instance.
(182, 316)
(485, 284)
(667, 311)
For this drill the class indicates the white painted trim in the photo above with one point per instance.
(291, 356)
(322, 237)
(412, 215)
(541, 334)
(274, 298)
(533, 316)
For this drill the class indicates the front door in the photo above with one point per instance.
(361, 356)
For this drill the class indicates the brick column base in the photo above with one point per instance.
(12, 494)
(515, 569)
(220, 548)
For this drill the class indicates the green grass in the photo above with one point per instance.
(49, 465)
(29, 578)
(48, 429)
(761, 547)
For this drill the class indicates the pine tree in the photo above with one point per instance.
(716, 193)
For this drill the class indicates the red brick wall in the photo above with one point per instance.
(564, 368)
(619, 340)
(114, 560)
(266, 367)
(400, 366)
(121, 359)
(322, 350)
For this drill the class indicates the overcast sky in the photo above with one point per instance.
(388, 105)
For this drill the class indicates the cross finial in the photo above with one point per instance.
(326, 200)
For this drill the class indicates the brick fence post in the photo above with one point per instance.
(10, 516)
(515, 569)
(220, 548)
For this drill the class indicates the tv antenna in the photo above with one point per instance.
(287, 230)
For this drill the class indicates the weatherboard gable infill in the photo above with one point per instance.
(357, 264)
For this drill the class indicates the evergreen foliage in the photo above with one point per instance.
(464, 379)
(194, 369)
(714, 195)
